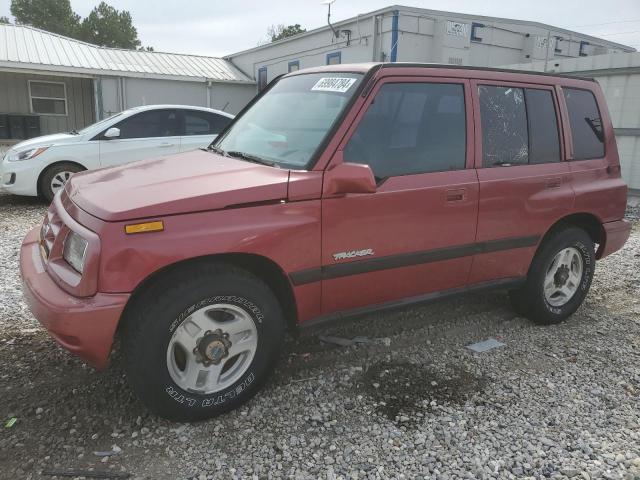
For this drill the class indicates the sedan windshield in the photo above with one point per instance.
(286, 126)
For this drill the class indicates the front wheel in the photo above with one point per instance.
(55, 178)
(559, 277)
(201, 342)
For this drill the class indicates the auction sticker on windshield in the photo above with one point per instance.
(334, 84)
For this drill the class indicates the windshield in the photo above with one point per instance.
(97, 124)
(286, 125)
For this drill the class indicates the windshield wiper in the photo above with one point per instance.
(74, 132)
(218, 150)
(251, 158)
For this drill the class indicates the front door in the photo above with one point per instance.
(415, 234)
(148, 134)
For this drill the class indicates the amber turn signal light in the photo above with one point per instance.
(146, 227)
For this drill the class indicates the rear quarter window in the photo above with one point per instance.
(586, 124)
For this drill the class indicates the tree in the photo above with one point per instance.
(105, 26)
(55, 16)
(109, 27)
(278, 32)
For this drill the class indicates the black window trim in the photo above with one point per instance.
(604, 135)
(476, 83)
(395, 79)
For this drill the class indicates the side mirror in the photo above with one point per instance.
(349, 178)
(113, 132)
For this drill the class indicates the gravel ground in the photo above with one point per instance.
(559, 402)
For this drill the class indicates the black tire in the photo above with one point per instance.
(48, 175)
(149, 325)
(530, 301)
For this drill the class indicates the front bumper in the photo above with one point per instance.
(84, 326)
(20, 178)
(616, 235)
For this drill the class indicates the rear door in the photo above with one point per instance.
(414, 235)
(148, 134)
(523, 173)
(200, 128)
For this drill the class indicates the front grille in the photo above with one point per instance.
(51, 226)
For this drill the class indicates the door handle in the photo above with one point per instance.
(554, 182)
(165, 145)
(456, 195)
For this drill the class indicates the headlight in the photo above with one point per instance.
(75, 248)
(26, 154)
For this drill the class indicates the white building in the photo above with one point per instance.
(406, 34)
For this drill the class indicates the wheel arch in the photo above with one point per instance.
(588, 222)
(262, 267)
(54, 164)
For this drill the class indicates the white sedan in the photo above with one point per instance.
(42, 165)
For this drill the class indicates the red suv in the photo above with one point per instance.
(339, 190)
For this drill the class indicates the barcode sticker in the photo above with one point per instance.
(334, 84)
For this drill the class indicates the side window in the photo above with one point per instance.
(218, 122)
(519, 126)
(503, 115)
(586, 125)
(203, 123)
(411, 128)
(149, 124)
(544, 142)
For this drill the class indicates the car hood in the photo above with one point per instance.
(55, 139)
(182, 183)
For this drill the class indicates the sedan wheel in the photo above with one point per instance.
(60, 180)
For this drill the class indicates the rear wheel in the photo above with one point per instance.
(202, 342)
(559, 277)
(55, 178)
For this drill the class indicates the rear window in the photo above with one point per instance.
(505, 138)
(544, 142)
(519, 126)
(586, 124)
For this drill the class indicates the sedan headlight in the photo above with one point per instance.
(75, 249)
(26, 154)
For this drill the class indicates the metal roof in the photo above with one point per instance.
(26, 47)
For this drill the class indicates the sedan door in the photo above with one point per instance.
(414, 236)
(200, 128)
(148, 134)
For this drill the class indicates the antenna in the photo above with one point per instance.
(328, 3)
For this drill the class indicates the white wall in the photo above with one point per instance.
(423, 36)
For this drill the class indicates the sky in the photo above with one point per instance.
(217, 28)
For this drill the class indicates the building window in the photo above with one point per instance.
(262, 78)
(294, 66)
(48, 98)
(334, 58)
